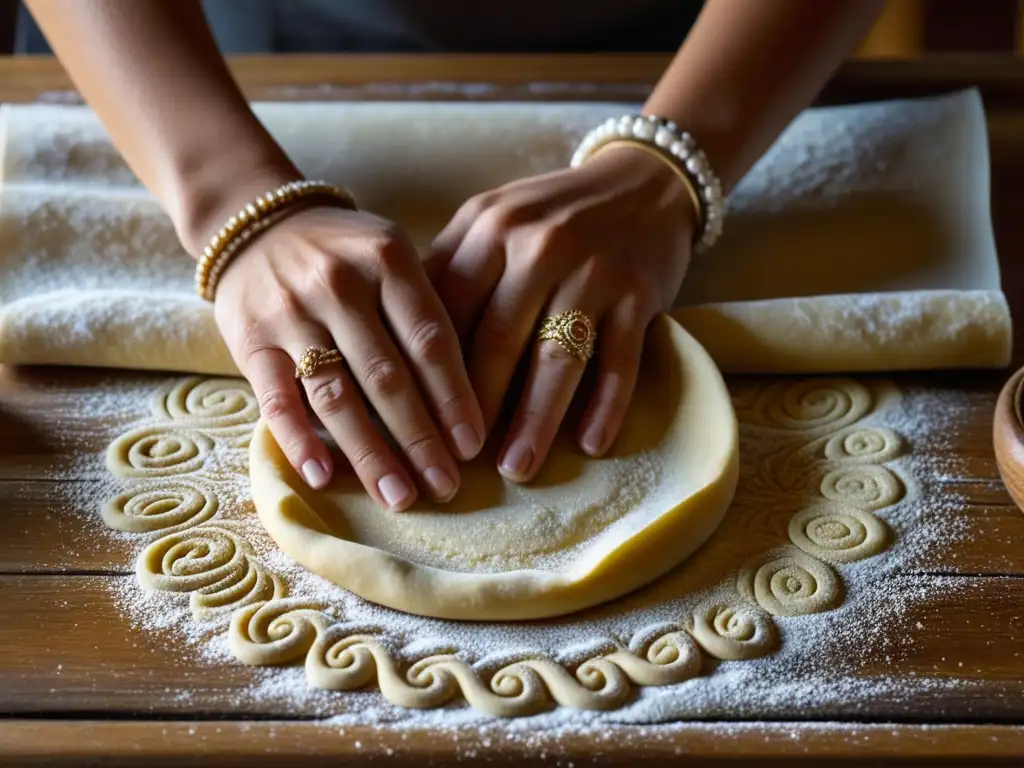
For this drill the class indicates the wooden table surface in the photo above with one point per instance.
(78, 684)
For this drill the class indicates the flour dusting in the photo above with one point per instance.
(836, 660)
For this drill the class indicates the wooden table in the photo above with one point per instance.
(77, 684)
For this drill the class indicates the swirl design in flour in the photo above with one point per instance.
(811, 405)
(813, 455)
(158, 451)
(868, 486)
(222, 407)
(866, 445)
(791, 584)
(160, 508)
(837, 534)
(734, 632)
(212, 563)
(281, 631)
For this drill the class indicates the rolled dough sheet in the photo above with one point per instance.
(852, 245)
(584, 532)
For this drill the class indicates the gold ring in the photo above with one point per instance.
(572, 330)
(313, 358)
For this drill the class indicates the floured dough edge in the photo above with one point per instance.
(892, 331)
(395, 582)
(898, 331)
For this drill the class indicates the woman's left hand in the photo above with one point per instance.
(612, 239)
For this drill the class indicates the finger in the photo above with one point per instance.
(336, 400)
(618, 366)
(425, 333)
(554, 375)
(387, 383)
(447, 241)
(501, 336)
(271, 373)
(473, 271)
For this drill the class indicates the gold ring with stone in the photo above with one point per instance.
(313, 358)
(572, 330)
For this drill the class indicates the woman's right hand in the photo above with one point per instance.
(334, 278)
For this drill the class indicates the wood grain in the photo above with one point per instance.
(533, 77)
(78, 683)
(956, 656)
(247, 744)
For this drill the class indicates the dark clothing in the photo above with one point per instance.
(438, 26)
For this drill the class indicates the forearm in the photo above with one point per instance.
(748, 68)
(154, 76)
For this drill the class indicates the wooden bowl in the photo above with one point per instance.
(1008, 436)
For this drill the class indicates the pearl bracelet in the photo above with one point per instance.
(255, 217)
(676, 146)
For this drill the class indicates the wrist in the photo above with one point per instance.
(658, 183)
(204, 198)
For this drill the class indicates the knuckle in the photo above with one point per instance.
(275, 404)
(390, 248)
(474, 207)
(329, 397)
(334, 276)
(285, 304)
(500, 218)
(455, 402)
(419, 443)
(430, 341)
(647, 297)
(252, 343)
(383, 376)
(366, 456)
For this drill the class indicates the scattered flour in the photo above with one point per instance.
(838, 661)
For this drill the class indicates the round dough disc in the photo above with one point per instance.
(583, 532)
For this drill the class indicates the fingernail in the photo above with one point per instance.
(315, 474)
(394, 490)
(593, 440)
(467, 441)
(440, 483)
(517, 459)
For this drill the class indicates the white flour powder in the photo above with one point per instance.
(834, 662)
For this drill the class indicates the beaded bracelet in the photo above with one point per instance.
(254, 218)
(675, 146)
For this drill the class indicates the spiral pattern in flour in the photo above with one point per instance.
(868, 445)
(868, 486)
(163, 508)
(838, 535)
(158, 451)
(343, 663)
(212, 563)
(209, 402)
(811, 405)
(277, 632)
(224, 407)
(734, 632)
(791, 585)
(671, 658)
(283, 631)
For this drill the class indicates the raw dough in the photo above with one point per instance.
(584, 532)
(837, 534)
(791, 584)
(731, 633)
(160, 508)
(212, 563)
(852, 245)
(794, 432)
